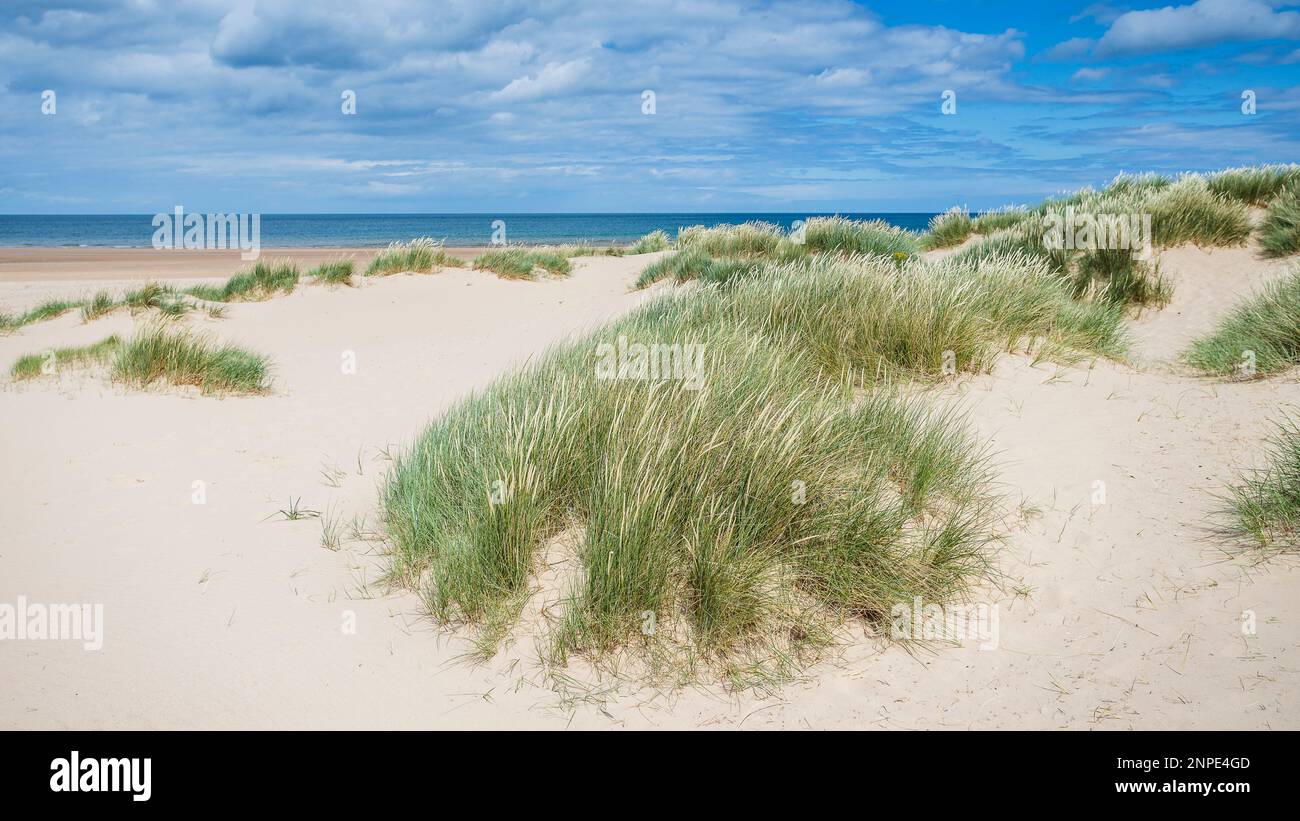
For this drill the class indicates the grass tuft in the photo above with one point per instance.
(949, 228)
(263, 281)
(1120, 277)
(181, 358)
(1260, 337)
(845, 236)
(52, 361)
(419, 256)
(1000, 219)
(748, 508)
(654, 241)
(1190, 211)
(1263, 508)
(683, 266)
(334, 272)
(1254, 185)
(1127, 185)
(1279, 232)
(745, 239)
(523, 263)
(100, 305)
(46, 310)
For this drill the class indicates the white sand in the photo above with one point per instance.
(1116, 616)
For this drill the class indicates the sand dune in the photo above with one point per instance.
(134, 264)
(1115, 615)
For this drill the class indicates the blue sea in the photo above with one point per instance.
(364, 230)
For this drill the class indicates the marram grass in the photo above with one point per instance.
(178, 357)
(100, 305)
(1263, 507)
(1259, 338)
(262, 281)
(419, 256)
(1190, 211)
(46, 310)
(692, 263)
(653, 241)
(750, 238)
(159, 353)
(1279, 232)
(845, 236)
(52, 361)
(523, 263)
(746, 509)
(987, 222)
(334, 272)
(949, 228)
(1254, 185)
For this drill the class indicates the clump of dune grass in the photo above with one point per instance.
(1137, 184)
(679, 266)
(1263, 507)
(654, 241)
(179, 357)
(100, 305)
(692, 263)
(1189, 211)
(1279, 232)
(152, 295)
(1254, 185)
(1026, 238)
(583, 249)
(54, 360)
(334, 272)
(749, 238)
(948, 229)
(523, 263)
(1120, 277)
(262, 281)
(750, 491)
(46, 310)
(419, 256)
(845, 236)
(1260, 337)
(988, 222)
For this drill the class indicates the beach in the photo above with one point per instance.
(1117, 615)
(136, 264)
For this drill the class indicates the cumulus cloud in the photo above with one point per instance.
(182, 95)
(553, 78)
(1203, 23)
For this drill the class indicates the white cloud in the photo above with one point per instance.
(554, 78)
(1075, 48)
(1203, 23)
(1090, 75)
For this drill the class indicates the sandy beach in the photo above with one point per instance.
(1118, 615)
(135, 264)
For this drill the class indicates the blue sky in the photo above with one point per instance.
(512, 106)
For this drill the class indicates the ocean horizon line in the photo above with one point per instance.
(365, 230)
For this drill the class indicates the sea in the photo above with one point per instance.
(368, 230)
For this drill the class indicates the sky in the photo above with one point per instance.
(558, 106)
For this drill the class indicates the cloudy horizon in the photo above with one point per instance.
(542, 107)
